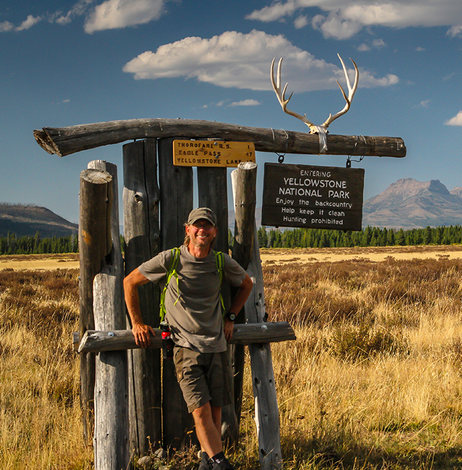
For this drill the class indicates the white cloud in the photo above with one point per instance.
(301, 22)
(456, 120)
(363, 47)
(6, 26)
(425, 103)
(342, 19)
(376, 43)
(450, 76)
(242, 61)
(245, 103)
(274, 12)
(113, 14)
(455, 30)
(79, 9)
(109, 14)
(28, 23)
(420, 49)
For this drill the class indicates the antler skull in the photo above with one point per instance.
(284, 102)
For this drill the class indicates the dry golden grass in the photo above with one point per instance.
(40, 262)
(374, 378)
(40, 424)
(373, 381)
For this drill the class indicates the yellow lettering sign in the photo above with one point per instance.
(212, 153)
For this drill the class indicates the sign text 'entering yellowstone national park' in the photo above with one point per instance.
(312, 197)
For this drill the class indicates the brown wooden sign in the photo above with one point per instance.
(212, 153)
(312, 197)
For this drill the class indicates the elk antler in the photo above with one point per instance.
(282, 98)
(313, 128)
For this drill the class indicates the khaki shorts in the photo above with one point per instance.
(203, 377)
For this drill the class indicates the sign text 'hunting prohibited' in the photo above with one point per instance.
(312, 197)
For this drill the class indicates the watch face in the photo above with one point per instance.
(231, 316)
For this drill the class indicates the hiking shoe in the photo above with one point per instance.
(204, 465)
(223, 464)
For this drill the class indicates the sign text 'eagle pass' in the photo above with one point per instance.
(212, 153)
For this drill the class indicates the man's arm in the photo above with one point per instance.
(141, 331)
(238, 302)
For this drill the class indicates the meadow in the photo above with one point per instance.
(373, 381)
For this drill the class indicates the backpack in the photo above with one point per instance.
(219, 260)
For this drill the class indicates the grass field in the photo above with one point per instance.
(373, 381)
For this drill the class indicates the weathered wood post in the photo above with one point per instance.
(111, 410)
(266, 407)
(176, 192)
(213, 192)
(263, 383)
(95, 243)
(141, 235)
(245, 199)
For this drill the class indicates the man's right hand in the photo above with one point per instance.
(142, 334)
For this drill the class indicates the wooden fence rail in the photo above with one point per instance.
(119, 340)
(64, 141)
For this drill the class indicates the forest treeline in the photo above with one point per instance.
(269, 238)
(28, 245)
(369, 236)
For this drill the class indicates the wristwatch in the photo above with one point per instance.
(231, 316)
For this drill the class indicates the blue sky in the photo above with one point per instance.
(75, 62)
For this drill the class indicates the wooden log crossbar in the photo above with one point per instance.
(64, 141)
(119, 340)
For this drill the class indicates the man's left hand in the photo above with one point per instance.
(229, 328)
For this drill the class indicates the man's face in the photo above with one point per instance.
(201, 233)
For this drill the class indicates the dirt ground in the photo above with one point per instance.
(268, 256)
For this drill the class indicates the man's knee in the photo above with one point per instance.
(202, 412)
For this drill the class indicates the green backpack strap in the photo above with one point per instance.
(219, 261)
(171, 272)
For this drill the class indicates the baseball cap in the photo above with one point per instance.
(202, 213)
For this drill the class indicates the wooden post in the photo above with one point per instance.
(266, 407)
(264, 385)
(244, 192)
(111, 383)
(176, 191)
(245, 199)
(94, 245)
(213, 192)
(111, 410)
(141, 234)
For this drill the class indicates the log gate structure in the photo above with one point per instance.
(131, 393)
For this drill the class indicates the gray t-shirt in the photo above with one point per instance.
(193, 304)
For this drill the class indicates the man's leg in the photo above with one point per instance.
(216, 416)
(207, 428)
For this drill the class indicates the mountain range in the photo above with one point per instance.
(27, 220)
(405, 204)
(412, 204)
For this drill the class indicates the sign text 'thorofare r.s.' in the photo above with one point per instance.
(212, 153)
(312, 197)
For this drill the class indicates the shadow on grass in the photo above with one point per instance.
(302, 453)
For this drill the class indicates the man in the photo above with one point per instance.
(194, 314)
